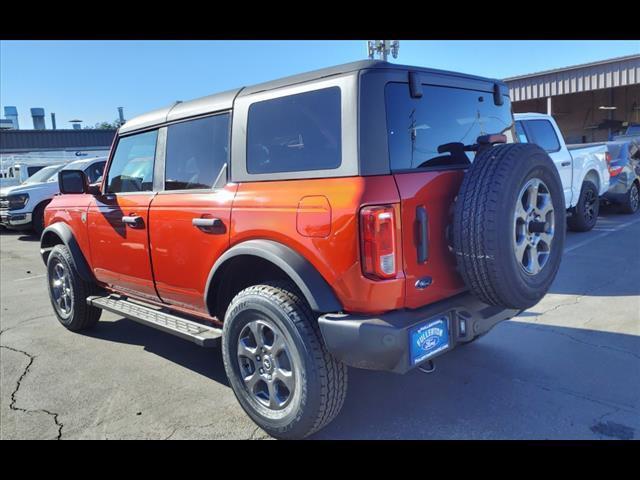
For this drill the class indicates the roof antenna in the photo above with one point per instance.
(382, 48)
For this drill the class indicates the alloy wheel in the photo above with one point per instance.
(534, 226)
(61, 288)
(266, 365)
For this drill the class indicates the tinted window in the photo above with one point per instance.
(542, 133)
(418, 127)
(131, 169)
(196, 152)
(94, 171)
(295, 133)
(522, 136)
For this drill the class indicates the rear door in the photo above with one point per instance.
(543, 133)
(190, 217)
(118, 218)
(428, 173)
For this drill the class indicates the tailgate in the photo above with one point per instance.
(427, 208)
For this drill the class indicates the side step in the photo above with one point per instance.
(198, 333)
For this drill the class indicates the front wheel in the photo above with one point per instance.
(277, 364)
(585, 213)
(68, 292)
(631, 202)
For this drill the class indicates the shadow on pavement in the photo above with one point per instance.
(522, 380)
(205, 361)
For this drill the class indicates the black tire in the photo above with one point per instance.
(631, 203)
(37, 218)
(79, 316)
(319, 380)
(585, 213)
(485, 228)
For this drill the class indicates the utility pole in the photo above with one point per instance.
(382, 48)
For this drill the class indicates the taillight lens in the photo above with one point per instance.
(378, 237)
(607, 157)
(614, 171)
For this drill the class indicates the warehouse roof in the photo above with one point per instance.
(609, 73)
(32, 140)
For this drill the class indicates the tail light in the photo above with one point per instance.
(613, 171)
(378, 237)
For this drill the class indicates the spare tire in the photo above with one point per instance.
(509, 225)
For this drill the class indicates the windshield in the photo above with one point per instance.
(44, 174)
(420, 129)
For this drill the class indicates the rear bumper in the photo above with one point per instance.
(382, 342)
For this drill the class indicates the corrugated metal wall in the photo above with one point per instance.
(610, 74)
(29, 140)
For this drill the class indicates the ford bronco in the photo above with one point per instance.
(369, 215)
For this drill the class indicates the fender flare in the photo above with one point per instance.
(314, 287)
(65, 234)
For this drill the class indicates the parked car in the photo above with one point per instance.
(311, 223)
(625, 175)
(631, 133)
(583, 169)
(22, 206)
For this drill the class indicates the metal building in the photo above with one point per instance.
(589, 101)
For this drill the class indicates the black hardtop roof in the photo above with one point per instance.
(224, 100)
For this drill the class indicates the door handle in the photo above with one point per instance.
(209, 225)
(565, 164)
(423, 248)
(134, 221)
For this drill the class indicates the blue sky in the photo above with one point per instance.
(90, 79)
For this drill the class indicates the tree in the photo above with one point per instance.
(107, 126)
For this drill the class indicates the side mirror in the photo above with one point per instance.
(73, 181)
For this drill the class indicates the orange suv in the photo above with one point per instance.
(368, 215)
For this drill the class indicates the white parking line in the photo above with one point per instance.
(608, 231)
(29, 278)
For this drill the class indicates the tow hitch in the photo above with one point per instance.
(428, 367)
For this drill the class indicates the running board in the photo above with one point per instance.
(198, 333)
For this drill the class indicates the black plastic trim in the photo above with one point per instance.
(312, 285)
(64, 233)
(381, 342)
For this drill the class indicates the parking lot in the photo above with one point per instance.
(567, 369)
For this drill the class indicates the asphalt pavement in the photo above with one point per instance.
(569, 368)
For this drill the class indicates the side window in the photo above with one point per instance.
(131, 169)
(94, 171)
(196, 152)
(522, 136)
(543, 133)
(295, 133)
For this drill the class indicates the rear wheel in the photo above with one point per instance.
(277, 364)
(68, 292)
(585, 213)
(508, 230)
(631, 202)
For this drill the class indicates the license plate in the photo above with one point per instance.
(428, 339)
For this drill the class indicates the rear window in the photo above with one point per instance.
(418, 127)
(295, 133)
(542, 133)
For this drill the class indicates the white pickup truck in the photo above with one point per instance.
(583, 169)
(22, 206)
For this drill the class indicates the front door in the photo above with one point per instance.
(189, 219)
(118, 218)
